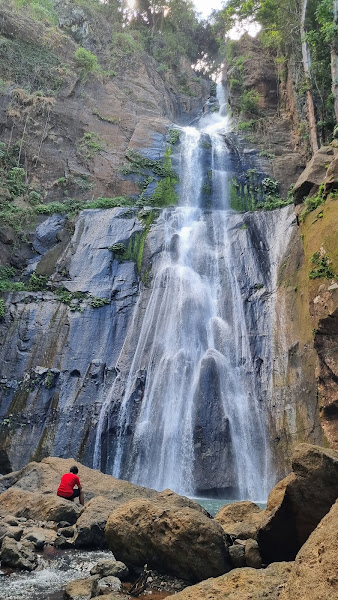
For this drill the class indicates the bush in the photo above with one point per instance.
(249, 102)
(86, 60)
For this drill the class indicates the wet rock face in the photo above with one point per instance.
(84, 343)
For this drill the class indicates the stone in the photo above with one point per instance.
(7, 530)
(109, 584)
(179, 541)
(252, 555)
(298, 503)
(33, 505)
(18, 555)
(105, 568)
(10, 520)
(241, 584)
(240, 519)
(314, 174)
(314, 574)
(46, 532)
(89, 529)
(237, 555)
(81, 589)
(37, 537)
(63, 542)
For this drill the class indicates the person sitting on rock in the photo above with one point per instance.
(66, 487)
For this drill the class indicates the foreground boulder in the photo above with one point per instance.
(18, 555)
(315, 574)
(33, 505)
(89, 530)
(241, 520)
(179, 541)
(298, 503)
(241, 584)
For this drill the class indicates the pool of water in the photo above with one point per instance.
(213, 505)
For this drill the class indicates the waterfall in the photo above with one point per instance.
(190, 416)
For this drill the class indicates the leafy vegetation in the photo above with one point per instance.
(322, 267)
(2, 308)
(90, 144)
(86, 61)
(30, 66)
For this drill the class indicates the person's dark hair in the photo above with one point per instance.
(74, 470)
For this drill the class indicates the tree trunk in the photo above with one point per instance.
(334, 62)
(306, 66)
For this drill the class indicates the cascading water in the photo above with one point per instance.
(196, 417)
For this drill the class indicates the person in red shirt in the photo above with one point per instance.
(68, 482)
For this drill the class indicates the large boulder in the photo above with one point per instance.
(18, 555)
(241, 519)
(314, 174)
(179, 541)
(298, 503)
(90, 526)
(45, 477)
(33, 505)
(241, 584)
(314, 574)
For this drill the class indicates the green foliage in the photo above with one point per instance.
(109, 202)
(39, 10)
(2, 308)
(86, 61)
(96, 302)
(30, 66)
(270, 186)
(235, 84)
(49, 380)
(51, 208)
(244, 125)
(312, 202)
(267, 154)
(174, 136)
(6, 280)
(90, 144)
(249, 102)
(322, 267)
(37, 282)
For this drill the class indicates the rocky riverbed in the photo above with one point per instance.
(52, 549)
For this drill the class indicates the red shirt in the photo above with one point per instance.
(67, 483)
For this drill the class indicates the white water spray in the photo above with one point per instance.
(199, 414)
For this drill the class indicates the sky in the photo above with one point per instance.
(206, 6)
